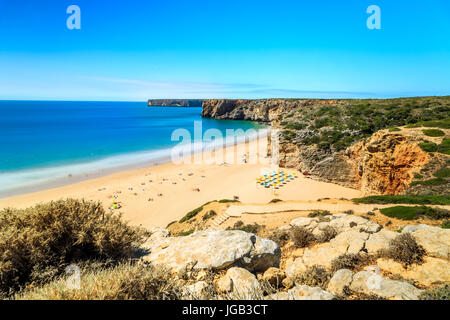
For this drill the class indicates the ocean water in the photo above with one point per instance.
(51, 143)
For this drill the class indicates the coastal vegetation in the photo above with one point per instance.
(405, 199)
(339, 124)
(410, 213)
(38, 243)
(404, 249)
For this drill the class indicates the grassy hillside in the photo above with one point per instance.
(336, 125)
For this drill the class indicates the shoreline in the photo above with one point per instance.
(64, 175)
(157, 195)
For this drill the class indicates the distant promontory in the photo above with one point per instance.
(175, 102)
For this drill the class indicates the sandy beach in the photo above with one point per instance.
(158, 195)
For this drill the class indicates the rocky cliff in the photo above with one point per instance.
(175, 102)
(264, 110)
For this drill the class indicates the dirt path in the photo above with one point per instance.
(332, 206)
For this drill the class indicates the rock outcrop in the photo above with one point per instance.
(175, 102)
(213, 249)
(435, 240)
(385, 163)
(264, 110)
(373, 284)
(240, 283)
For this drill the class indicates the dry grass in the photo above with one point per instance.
(315, 276)
(301, 237)
(37, 243)
(327, 234)
(279, 236)
(124, 282)
(351, 261)
(405, 250)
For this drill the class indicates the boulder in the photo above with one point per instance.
(240, 283)
(307, 223)
(348, 222)
(341, 279)
(435, 240)
(372, 283)
(214, 249)
(433, 271)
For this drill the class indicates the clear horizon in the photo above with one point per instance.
(135, 50)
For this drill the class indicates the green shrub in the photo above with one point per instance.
(170, 223)
(444, 147)
(321, 213)
(227, 201)
(430, 182)
(411, 213)
(394, 129)
(404, 249)
(250, 228)
(37, 243)
(405, 199)
(295, 126)
(209, 214)
(186, 233)
(445, 224)
(441, 293)
(442, 173)
(433, 132)
(193, 213)
(428, 146)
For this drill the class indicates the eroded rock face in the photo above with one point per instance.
(254, 110)
(383, 164)
(214, 249)
(435, 240)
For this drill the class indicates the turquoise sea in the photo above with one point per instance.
(51, 143)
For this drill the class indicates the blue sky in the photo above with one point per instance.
(133, 50)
